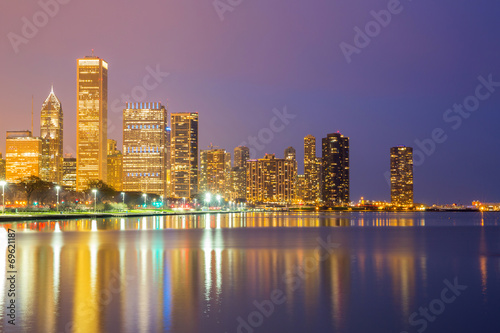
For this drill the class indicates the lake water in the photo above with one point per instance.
(256, 272)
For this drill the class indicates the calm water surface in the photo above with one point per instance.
(259, 272)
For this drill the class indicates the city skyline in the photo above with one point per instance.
(374, 96)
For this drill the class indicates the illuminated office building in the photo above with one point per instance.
(290, 154)
(301, 188)
(335, 182)
(115, 166)
(145, 148)
(23, 156)
(69, 172)
(238, 183)
(215, 172)
(184, 154)
(241, 155)
(51, 133)
(311, 171)
(92, 121)
(402, 176)
(271, 179)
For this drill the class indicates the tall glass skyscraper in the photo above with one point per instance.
(402, 176)
(145, 148)
(51, 133)
(335, 182)
(184, 154)
(92, 121)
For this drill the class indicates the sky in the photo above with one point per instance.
(242, 63)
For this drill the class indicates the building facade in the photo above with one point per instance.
(215, 172)
(115, 166)
(311, 171)
(402, 176)
(145, 148)
(51, 133)
(241, 155)
(92, 121)
(335, 182)
(271, 180)
(184, 154)
(23, 156)
(2, 168)
(69, 173)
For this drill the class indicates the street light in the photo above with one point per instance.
(218, 199)
(123, 196)
(183, 202)
(95, 200)
(57, 189)
(208, 198)
(3, 183)
(145, 199)
(161, 197)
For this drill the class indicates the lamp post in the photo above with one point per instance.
(208, 197)
(95, 200)
(218, 199)
(195, 203)
(3, 183)
(145, 199)
(123, 197)
(183, 202)
(161, 197)
(57, 191)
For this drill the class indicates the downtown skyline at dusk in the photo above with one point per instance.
(390, 94)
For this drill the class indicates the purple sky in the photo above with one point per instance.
(272, 54)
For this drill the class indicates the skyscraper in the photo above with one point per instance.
(335, 173)
(115, 166)
(51, 133)
(145, 148)
(184, 154)
(23, 157)
(2, 168)
(290, 154)
(92, 121)
(215, 172)
(311, 171)
(402, 176)
(69, 172)
(271, 179)
(241, 155)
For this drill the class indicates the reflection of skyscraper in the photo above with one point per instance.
(402, 176)
(241, 155)
(115, 166)
(311, 170)
(271, 179)
(92, 120)
(184, 154)
(215, 172)
(23, 157)
(335, 174)
(145, 148)
(51, 132)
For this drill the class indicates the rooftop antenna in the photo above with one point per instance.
(52, 88)
(92, 52)
(31, 115)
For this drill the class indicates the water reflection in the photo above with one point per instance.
(153, 275)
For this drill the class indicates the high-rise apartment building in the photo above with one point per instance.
(115, 166)
(241, 155)
(92, 121)
(402, 176)
(184, 154)
(2, 168)
(145, 148)
(238, 183)
(290, 154)
(271, 179)
(215, 172)
(335, 182)
(301, 188)
(51, 133)
(69, 172)
(311, 171)
(23, 156)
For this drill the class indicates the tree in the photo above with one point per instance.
(33, 184)
(104, 191)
